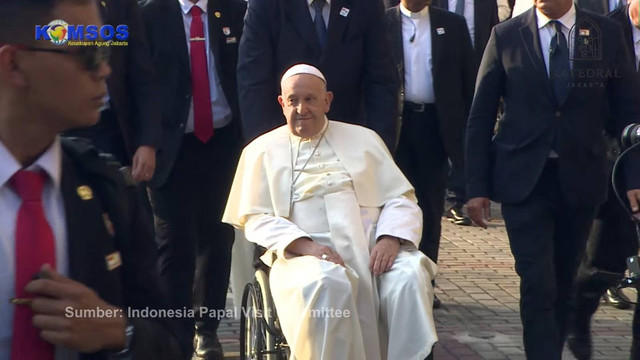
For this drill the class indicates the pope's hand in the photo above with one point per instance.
(305, 246)
(384, 254)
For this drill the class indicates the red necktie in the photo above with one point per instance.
(34, 247)
(202, 116)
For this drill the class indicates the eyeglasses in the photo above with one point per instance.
(91, 57)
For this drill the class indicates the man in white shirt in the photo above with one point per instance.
(327, 199)
(432, 49)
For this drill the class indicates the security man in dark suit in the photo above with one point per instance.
(602, 7)
(613, 235)
(194, 47)
(481, 17)
(81, 262)
(546, 162)
(346, 39)
(434, 57)
(129, 126)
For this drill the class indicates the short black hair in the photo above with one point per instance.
(18, 18)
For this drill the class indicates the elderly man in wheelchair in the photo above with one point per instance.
(340, 224)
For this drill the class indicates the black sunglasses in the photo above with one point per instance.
(90, 56)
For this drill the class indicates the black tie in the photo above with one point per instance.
(318, 22)
(559, 71)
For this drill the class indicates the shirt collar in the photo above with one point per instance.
(568, 20)
(417, 15)
(50, 162)
(311, 1)
(186, 5)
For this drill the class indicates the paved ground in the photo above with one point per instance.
(479, 318)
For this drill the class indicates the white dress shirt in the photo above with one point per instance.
(613, 4)
(469, 15)
(326, 11)
(418, 60)
(51, 163)
(546, 31)
(636, 43)
(219, 105)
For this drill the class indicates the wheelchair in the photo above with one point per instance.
(261, 337)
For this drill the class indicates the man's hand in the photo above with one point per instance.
(58, 300)
(383, 254)
(479, 209)
(634, 200)
(306, 246)
(144, 164)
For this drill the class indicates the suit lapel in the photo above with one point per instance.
(531, 42)
(215, 28)
(442, 4)
(297, 11)
(175, 33)
(337, 22)
(436, 41)
(88, 240)
(398, 49)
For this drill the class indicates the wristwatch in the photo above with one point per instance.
(125, 354)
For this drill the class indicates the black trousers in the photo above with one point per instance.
(422, 158)
(194, 246)
(547, 238)
(612, 240)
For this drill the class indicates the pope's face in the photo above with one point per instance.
(305, 101)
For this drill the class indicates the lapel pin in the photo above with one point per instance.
(108, 224)
(584, 32)
(231, 40)
(226, 30)
(104, 4)
(85, 192)
(440, 31)
(344, 12)
(113, 260)
(217, 14)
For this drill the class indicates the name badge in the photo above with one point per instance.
(113, 260)
(231, 40)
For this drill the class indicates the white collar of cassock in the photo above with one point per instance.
(415, 15)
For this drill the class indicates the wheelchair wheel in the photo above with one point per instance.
(252, 332)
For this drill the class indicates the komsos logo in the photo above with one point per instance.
(59, 32)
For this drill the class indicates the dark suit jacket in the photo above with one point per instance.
(357, 63)
(131, 84)
(485, 17)
(507, 165)
(136, 283)
(621, 15)
(453, 72)
(167, 41)
(596, 6)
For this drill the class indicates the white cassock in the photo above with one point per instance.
(345, 195)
